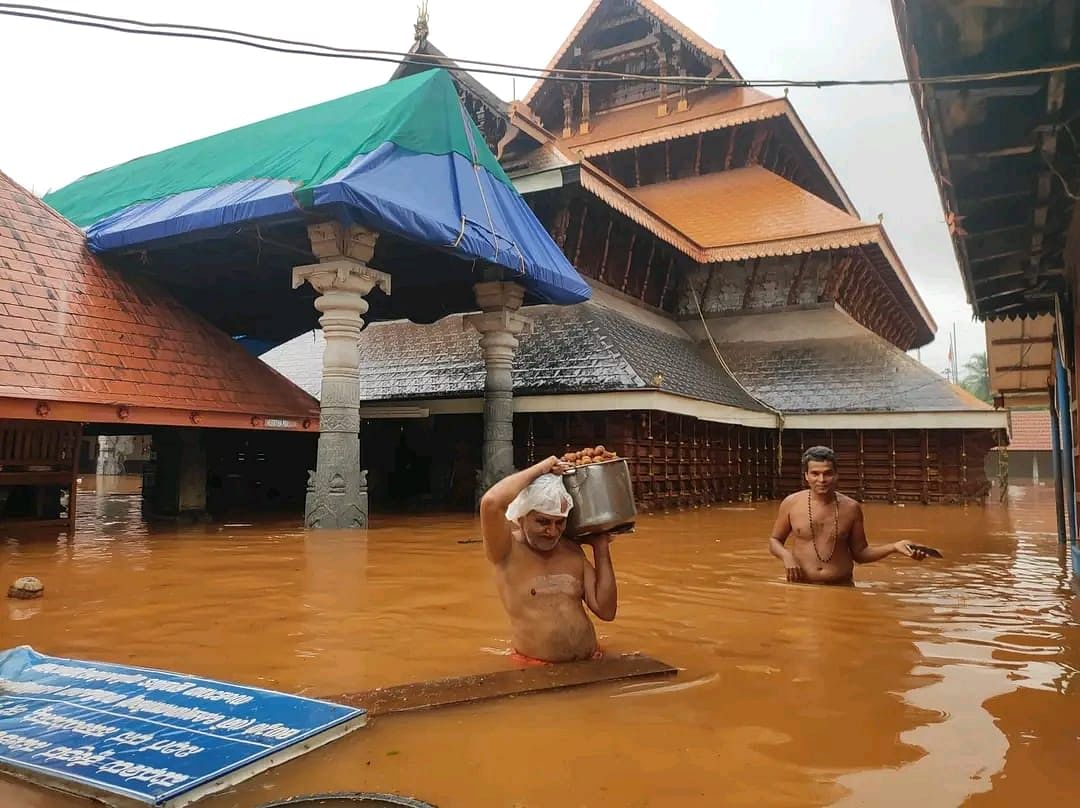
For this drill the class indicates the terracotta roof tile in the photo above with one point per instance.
(639, 125)
(72, 330)
(768, 209)
(1029, 431)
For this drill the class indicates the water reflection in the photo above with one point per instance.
(950, 682)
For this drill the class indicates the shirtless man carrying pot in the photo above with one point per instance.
(827, 526)
(543, 578)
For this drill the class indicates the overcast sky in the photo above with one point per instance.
(77, 100)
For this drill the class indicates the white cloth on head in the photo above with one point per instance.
(546, 494)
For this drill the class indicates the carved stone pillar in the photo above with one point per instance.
(499, 324)
(337, 488)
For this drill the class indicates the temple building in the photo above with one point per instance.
(85, 351)
(741, 309)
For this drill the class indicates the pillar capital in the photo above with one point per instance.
(333, 240)
(498, 322)
(341, 275)
(495, 295)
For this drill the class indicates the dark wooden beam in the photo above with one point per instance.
(949, 94)
(607, 246)
(629, 261)
(1004, 151)
(751, 281)
(580, 232)
(793, 292)
(966, 203)
(1016, 391)
(840, 265)
(1004, 291)
(667, 281)
(708, 283)
(730, 148)
(1018, 368)
(1020, 249)
(648, 269)
(982, 245)
(625, 49)
(1023, 341)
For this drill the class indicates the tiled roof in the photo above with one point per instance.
(751, 212)
(583, 348)
(629, 127)
(71, 330)
(1029, 431)
(852, 374)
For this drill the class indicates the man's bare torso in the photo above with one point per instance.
(838, 568)
(542, 594)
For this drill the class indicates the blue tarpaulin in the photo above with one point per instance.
(403, 158)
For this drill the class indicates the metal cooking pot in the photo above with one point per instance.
(603, 499)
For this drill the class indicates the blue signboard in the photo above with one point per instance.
(152, 737)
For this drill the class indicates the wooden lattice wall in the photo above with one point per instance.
(899, 465)
(679, 461)
(38, 457)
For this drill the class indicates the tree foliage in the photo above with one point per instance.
(976, 378)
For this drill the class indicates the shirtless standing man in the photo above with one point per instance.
(828, 528)
(542, 578)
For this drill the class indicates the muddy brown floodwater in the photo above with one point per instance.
(951, 682)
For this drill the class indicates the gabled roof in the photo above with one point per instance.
(651, 9)
(73, 331)
(578, 349)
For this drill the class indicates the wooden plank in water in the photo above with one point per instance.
(499, 684)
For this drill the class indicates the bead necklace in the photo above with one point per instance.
(813, 533)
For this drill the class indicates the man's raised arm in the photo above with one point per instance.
(493, 525)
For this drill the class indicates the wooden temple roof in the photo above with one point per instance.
(753, 213)
(750, 213)
(639, 125)
(80, 343)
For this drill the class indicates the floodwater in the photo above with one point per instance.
(946, 683)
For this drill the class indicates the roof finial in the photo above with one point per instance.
(420, 27)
